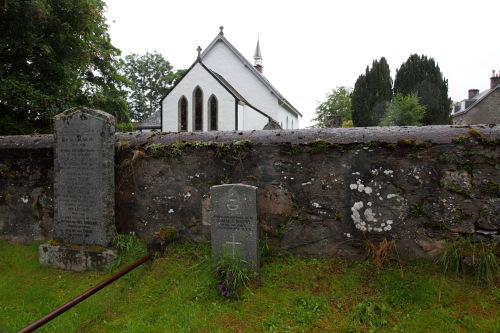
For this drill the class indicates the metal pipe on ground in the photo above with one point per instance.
(48, 317)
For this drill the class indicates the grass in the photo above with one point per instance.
(178, 293)
(461, 256)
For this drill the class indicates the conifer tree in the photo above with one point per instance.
(421, 75)
(371, 93)
(360, 106)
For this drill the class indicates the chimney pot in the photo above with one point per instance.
(473, 93)
(494, 81)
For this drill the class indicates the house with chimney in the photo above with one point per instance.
(223, 91)
(479, 107)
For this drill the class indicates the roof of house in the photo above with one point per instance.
(220, 38)
(151, 122)
(477, 99)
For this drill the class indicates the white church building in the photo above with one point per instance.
(223, 91)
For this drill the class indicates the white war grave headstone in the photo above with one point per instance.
(234, 226)
(84, 190)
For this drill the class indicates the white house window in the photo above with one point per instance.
(198, 109)
(183, 114)
(213, 109)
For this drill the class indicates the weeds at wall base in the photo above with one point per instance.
(129, 247)
(381, 252)
(463, 257)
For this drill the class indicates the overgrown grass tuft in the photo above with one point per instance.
(232, 275)
(481, 260)
(130, 248)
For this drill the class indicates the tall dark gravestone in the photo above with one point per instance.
(84, 180)
(234, 224)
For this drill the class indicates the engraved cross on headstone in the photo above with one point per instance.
(233, 243)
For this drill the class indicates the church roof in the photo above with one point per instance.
(234, 92)
(220, 38)
(227, 85)
(151, 122)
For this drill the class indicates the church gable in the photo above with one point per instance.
(223, 91)
(198, 103)
(223, 61)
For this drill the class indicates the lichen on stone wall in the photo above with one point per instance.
(377, 205)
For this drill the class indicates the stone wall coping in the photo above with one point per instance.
(438, 134)
(39, 141)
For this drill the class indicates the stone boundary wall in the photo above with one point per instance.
(320, 191)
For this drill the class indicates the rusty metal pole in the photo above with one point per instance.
(48, 317)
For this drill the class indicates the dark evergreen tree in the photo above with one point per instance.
(360, 106)
(421, 75)
(371, 93)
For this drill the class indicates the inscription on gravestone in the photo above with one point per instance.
(234, 224)
(84, 177)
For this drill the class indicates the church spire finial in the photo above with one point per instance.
(221, 30)
(199, 52)
(258, 56)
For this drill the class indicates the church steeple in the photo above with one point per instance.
(258, 57)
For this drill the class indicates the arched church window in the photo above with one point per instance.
(198, 109)
(183, 114)
(213, 107)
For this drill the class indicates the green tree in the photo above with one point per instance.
(422, 75)
(403, 111)
(55, 55)
(152, 77)
(371, 92)
(338, 103)
(361, 109)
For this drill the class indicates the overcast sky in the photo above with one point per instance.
(311, 47)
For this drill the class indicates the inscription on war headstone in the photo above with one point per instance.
(84, 177)
(234, 224)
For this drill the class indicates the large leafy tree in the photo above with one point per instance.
(338, 103)
(403, 111)
(421, 75)
(152, 77)
(54, 55)
(371, 92)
